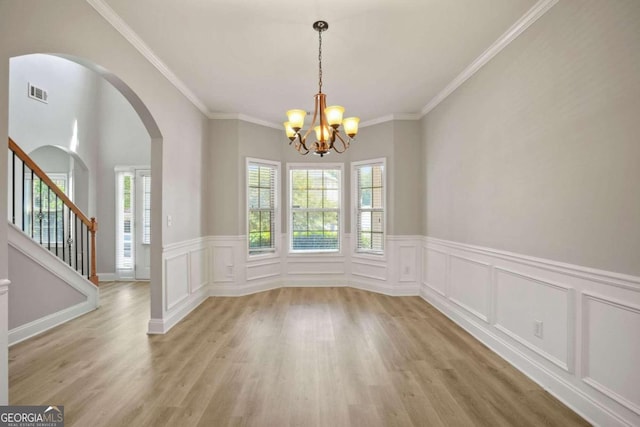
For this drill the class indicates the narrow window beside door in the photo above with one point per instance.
(125, 221)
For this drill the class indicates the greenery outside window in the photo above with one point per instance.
(369, 192)
(262, 206)
(315, 203)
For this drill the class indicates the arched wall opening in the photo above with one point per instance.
(73, 137)
(58, 161)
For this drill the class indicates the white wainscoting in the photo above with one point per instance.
(234, 273)
(586, 350)
(185, 280)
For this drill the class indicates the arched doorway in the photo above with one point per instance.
(76, 136)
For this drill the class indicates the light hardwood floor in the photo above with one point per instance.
(288, 357)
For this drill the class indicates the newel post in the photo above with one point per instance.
(94, 276)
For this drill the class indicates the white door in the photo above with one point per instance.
(143, 225)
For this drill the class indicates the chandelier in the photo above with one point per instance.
(330, 118)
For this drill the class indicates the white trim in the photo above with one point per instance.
(38, 326)
(561, 389)
(54, 265)
(225, 239)
(107, 277)
(180, 310)
(341, 228)
(132, 37)
(567, 364)
(602, 276)
(244, 118)
(4, 286)
(132, 168)
(184, 245)
(390, 118)
(243, 290)
(275, 233)
(584, 362)
(381, 256)
(565, 376)
(532, 15)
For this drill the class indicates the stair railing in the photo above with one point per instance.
(41, 209)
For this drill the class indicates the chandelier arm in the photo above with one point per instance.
(345, 145)
(301, 144)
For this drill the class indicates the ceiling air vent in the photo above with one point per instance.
(38, 93)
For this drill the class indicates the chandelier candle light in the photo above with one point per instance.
(330, 118)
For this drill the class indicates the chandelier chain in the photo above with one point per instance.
(320, 61)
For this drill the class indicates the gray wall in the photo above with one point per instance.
(222, 179)
(110, 134)
(52, 159)
(538, 152)
(29, 282)
(122, 141)
(73, 91)
(232, 141)
(56, 160)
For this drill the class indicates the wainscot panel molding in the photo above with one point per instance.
(185, 281)
(611, 329)
(572, 329)
(233, 273)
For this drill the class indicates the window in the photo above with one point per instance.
(262, 179)
(47, 228)
(315, 196)
(125, 224)
(369, 191)
(146, 209)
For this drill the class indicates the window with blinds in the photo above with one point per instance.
(369, 182)
(262, 184)
(146, 209)
(315, 199)
(125, 221)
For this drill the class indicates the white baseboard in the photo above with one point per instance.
(235, 290)
(590, 317)
(242, 290)
(107, 277)
(564, 391)
(177, 313)
(43, 324)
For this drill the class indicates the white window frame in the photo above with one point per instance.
(278, 220)
(126, 274)
(54, 176)
(315, 166)
(360, 253)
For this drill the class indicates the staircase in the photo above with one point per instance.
(52, 251)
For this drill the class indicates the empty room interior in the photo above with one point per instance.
(325, 213)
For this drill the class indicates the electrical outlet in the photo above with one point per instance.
(406, 269)
(537, 328)
(169, 221)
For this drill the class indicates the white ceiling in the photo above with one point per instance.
(259, 58)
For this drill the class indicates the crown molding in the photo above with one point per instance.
(532, 15)
(390, 118)
(132, 37)
(244, 118)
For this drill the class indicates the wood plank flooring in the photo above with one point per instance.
(288, 357)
